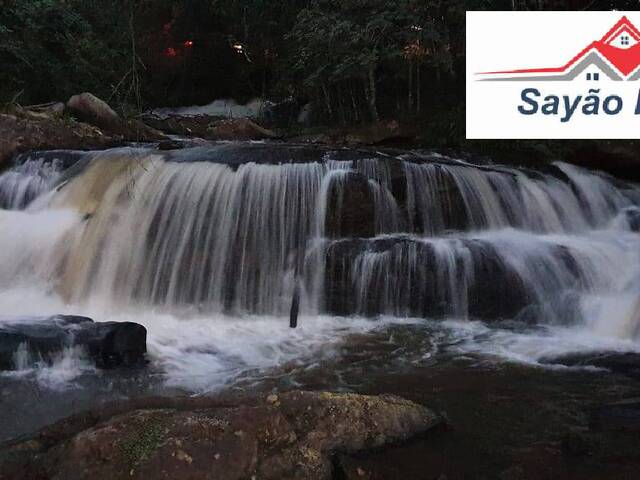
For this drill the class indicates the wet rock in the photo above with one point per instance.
(89, 108)
(108, 344)
(616, 158)
(445, 209)
(114, 344)
(632, 216)
(294, 437)
(40, 339)
(623, 416)
(625, 363)
(350, 207)
(400, 276)
(171, 145)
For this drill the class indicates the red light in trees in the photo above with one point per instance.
(170, 52)
(188, 44)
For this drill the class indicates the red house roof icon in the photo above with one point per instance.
(616, 54)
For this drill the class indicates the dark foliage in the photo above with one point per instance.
(358, 60)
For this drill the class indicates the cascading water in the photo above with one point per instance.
(222, 235)
(20, 185)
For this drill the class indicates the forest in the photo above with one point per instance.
(356, 60)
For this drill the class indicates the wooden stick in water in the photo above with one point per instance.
(295, 306)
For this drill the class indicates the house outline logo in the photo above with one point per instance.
(615, 56)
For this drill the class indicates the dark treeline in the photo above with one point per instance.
(357, 60)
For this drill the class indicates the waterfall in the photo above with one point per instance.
(442, 197)
(368, 235)
(490, 275)
(20, 185)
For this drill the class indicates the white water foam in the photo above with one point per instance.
(61, 374)
(533, 346)
(201, 353)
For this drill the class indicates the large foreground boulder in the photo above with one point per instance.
(289, 436)
(108, 344)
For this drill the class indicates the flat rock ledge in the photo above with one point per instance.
(294, 435)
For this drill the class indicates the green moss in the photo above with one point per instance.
(140, 445)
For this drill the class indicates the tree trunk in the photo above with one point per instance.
(327, 101)
(372, 93)
(340, 95)
(355, 106)
(410, 96)
(418, 88)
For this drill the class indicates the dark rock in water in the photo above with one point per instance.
(618, 416)
(114, 344)
(42, 338)
(615, 158)
(632, 215)
(236, 154)
(401, 276)
(625, 363)
(171, 145)
(292, 435)
(109, 344)
(351, 207)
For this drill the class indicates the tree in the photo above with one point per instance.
(342, 40)
(338, 41)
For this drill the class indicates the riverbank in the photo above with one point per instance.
(55, 126)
